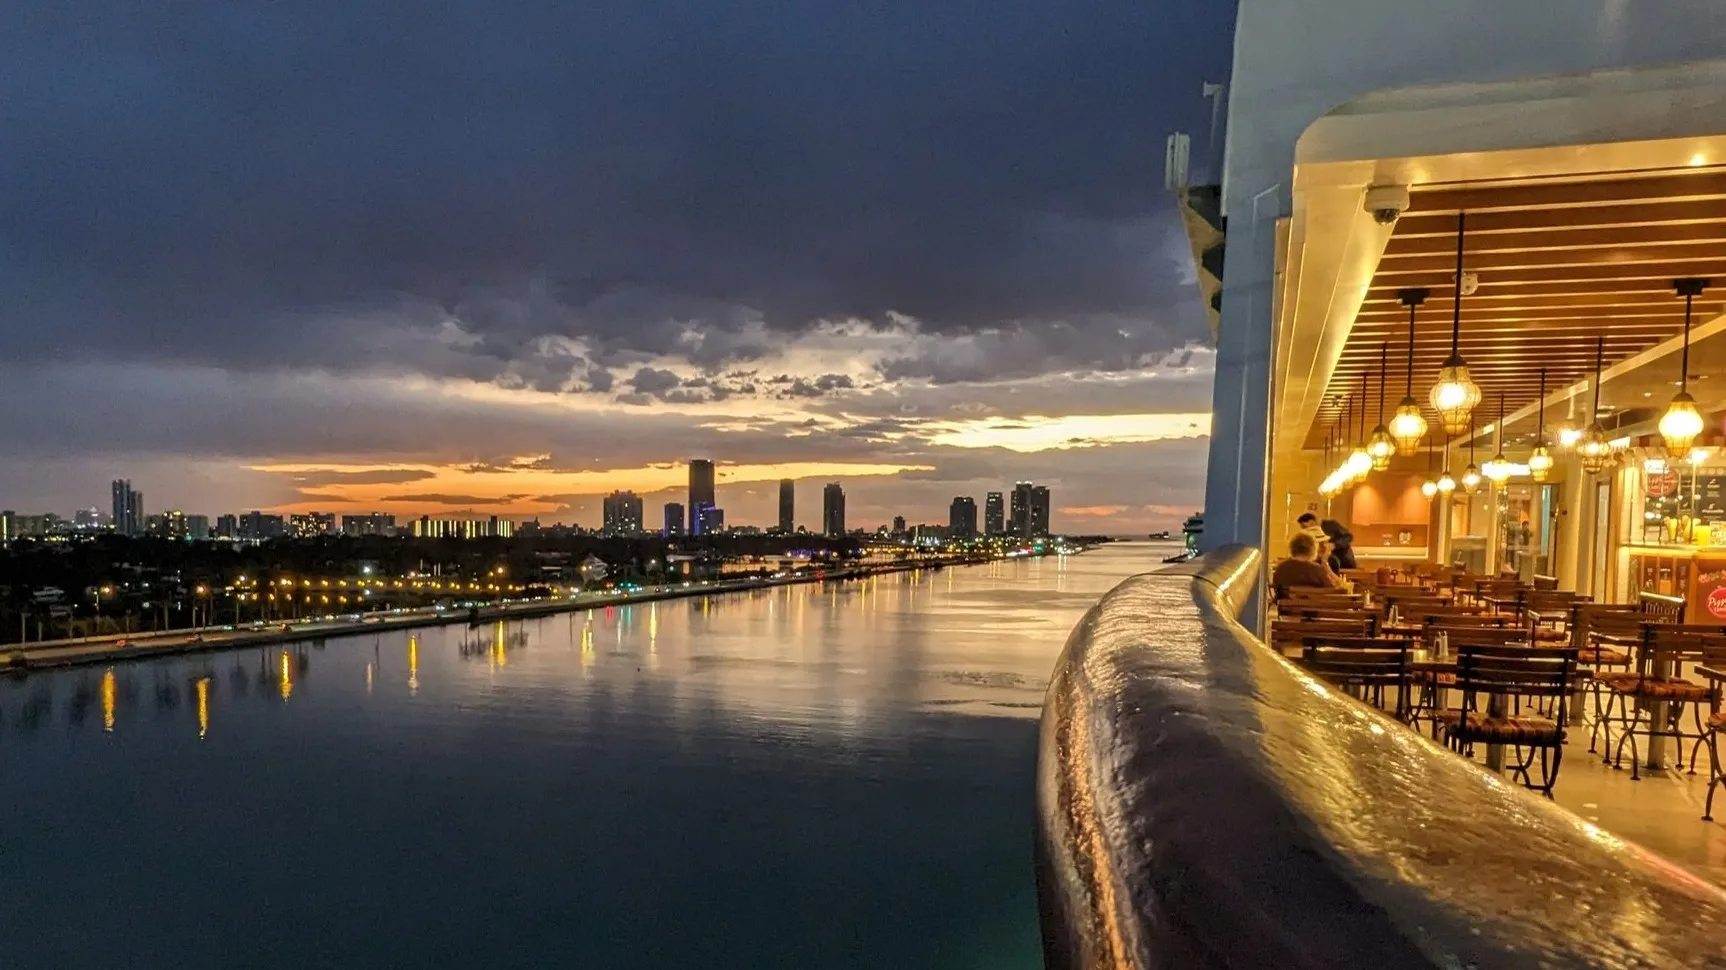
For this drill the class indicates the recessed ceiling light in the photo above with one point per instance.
(1647, 393)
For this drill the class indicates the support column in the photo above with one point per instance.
(1572, 522)
(1236, 482)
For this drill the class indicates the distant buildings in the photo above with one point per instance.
(622, 514)
(994, 515)
(898, 525)
(833, 510)
(426, 527)
(8, 526)
(1030, 510)
(227, 527)
(673, 519)
(87, 520)
(312, 524)
(962, 518)
(257, 526)
(700, 491)
(711, 521)
(128, 508)
(787, 505)
(177, 525)
(373, 524)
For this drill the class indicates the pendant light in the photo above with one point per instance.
(1498, 469)
(1446, 484)
(1470, 480)
(1682, 422)
(1381, 447)
(1455, 395)
(1332, 483)
(1593, 446)
(1429, 488)
(1359, 462)
(1409, 425)
(1540, 460)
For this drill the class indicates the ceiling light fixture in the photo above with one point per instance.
(1429, 488)
(1593, 446)
(1470, 480)
(1455, 395)
(1540, 460)
(1681, 423)
(1381, 447)
(1498, 468)
(1359, 463)
(1409, 425)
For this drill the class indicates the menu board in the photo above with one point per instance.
(1711, 499)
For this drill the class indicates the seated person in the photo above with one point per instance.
(1303, 566)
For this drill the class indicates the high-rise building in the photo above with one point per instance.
(128, 508)
(962, 518)
(994, 515)
(787, 505)
(700, 491)
(622, 514)
(311, 524)
(198, 527)
(712, 520)
(898, 525)
(833, 509)
(372, 524)
(257, 526)
(1020, 522)
(426, 527)
(227, 527)
(673, 519)
(87, 520)
(1040, 510)
(8, 526)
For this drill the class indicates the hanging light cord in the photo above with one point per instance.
(1410, 390)
(1456, 303)
(1599, 362)
(1384, 362)
(1540, 429)
(1684, 378)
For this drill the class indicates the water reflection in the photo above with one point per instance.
(721, 757)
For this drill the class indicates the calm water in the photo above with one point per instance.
(804, 777)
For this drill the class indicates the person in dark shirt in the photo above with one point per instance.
(1302, 567)
(1341, 546)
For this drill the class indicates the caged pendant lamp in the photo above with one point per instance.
(1682, 423)
(1359, 462)
(1497, 470)
(1381, 447)
(1470, 480)
(1446, 484)
(1540, 460)
(1455, 395)
(1593, 447)
(1408, 425)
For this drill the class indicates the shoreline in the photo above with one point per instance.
(22, 659)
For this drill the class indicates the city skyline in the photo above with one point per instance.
(937, 304)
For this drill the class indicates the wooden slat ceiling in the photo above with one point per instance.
(1559, 264)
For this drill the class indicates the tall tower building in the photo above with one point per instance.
(1020, 523)
(128, 508)
(673, 519)
(833, 510)
(787, 505)
(962, 517)
(1040, 510)
(994, 515)
(700, 491)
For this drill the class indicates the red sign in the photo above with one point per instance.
(1716, 602)
(1663, 484)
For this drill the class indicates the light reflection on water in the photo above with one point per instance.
(834, 776)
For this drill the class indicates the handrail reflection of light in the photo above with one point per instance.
(287, 676)
(413, 664)
(108, 694)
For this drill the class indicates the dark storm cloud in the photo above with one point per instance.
(454, 187)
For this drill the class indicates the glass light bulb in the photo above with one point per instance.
(1359, 464)
(1381, 447)
(1680, 425)
(1470, 480)
(1455, 396)
(1540, 464)
(1429, 488)
(1446, 484)
(1594, 448)
(1568, 435)
(1498, 469)
(1408, 427)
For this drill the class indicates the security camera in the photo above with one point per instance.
(1386, 202)
(1470, 282)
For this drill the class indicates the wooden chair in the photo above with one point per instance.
(1526, 690)
(1658, 689)
(1667, 609)
(1294, 632)
(1364, 667)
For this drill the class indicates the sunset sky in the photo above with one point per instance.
(504, 257)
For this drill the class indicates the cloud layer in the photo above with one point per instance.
(272, 222)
